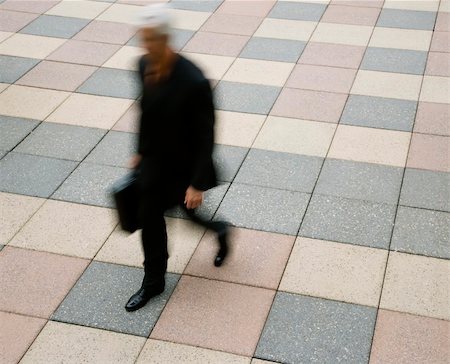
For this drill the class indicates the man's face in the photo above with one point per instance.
(154, 43)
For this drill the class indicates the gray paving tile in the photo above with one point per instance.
(242, 97)
(283, 50)
(90, 184)
(61, 141)
(426, 189)
(33, 175)
(98, 300)
(115, 149)
(379, 112)
(263, 208)
(228, 160)
(407, 19)
(15, 67)
(297, 11)
(423, 232)
(284, 171)
(349, 221)
(394, 60)
(304, 329)
(360, 181)
(196, 5)
(55, 26)
(14, 130)
(2, 153)
(178, 39)
(112, 82)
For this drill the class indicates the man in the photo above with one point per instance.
(175, 147)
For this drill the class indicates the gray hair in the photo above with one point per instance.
(155, 16)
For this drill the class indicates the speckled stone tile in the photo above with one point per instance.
(129, 122)
(333, 55)
(426, 189)
(357, 35)
(14, 130)
(28, 6)
(196, 5)
(232, 24)
(379, 112)
(286, 29)
(55, 26)
(228, 160)
(402, 338)
(13, 21)
(407, 19)
(33, 175)
(179, 38)
(438, 64)
(435, 89)
(440, 42)
(424, 232)
(104, 83)
(262, 208)
(27, 277)
(305, 330)
(394, 60)
(90, 184)
(432, 118)
(106, 32)
(217, 43)
(360, 181)
(15, 67)
(30, 46)
(349, 221)
(99, 297)
(249, 98)
(297, 11)
(350, 15)
(283, 50)
(71, 344)
(67, 141)
(115, 149)
(83, 9)
(430, 152)
(216, 315)
(284, 171)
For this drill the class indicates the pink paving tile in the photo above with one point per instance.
(12, 21)
(34, 283)
(351, 15)
(438, 64)
(360, 3)
(310, 105)
(246, 7)
(402, 338)
(337, 55)
(218, 44)
(440, 42)
(257, 258)
(57, 76)
(429, 152)
(433, 118)
(232, 24)
(442, 22)
(129, 122)
(89, 53)
(106, 32)
(17, 333)
(215, 315)
(29, 6)
(322, 78)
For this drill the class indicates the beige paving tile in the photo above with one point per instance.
(126, 58)
(386, 84)
(259, 361)
(30, 46)
(435, 89)
(417, 285)
(214, 67)
(78, 9)
(432, 118)
(162, 352)
(63, 343)
(67, 228)
(5, 35)
(295, 136)
(259, 72)
(20, 209)
(30, 102)
(34, 283)
(335, 271)
(247, 7)
(429, 152)
(91, 111)
(333, 55)
(121, 13)
(217, 43)
(286, 29)
(17, 333)
(370, 145)
(417, 5)
(3, 86)
(418, 40)
(440, 42)
(357, 35)
(350, 15)
(232, 24)
(237, 129)
(438, 64)
(106, 32)
(442, 22)
(189, 20)
(444, 6)
(129, 122)
(364, 3)
(401, 338)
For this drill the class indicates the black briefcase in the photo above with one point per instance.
(126, 195)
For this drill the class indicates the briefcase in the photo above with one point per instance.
(126, 196)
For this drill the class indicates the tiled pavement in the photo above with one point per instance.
(333, 147)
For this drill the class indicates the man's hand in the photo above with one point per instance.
(134, 161)
(193, 198)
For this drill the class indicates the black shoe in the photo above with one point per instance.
(223, 251)
(141, 297)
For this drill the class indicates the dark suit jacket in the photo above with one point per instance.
(176, 136)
